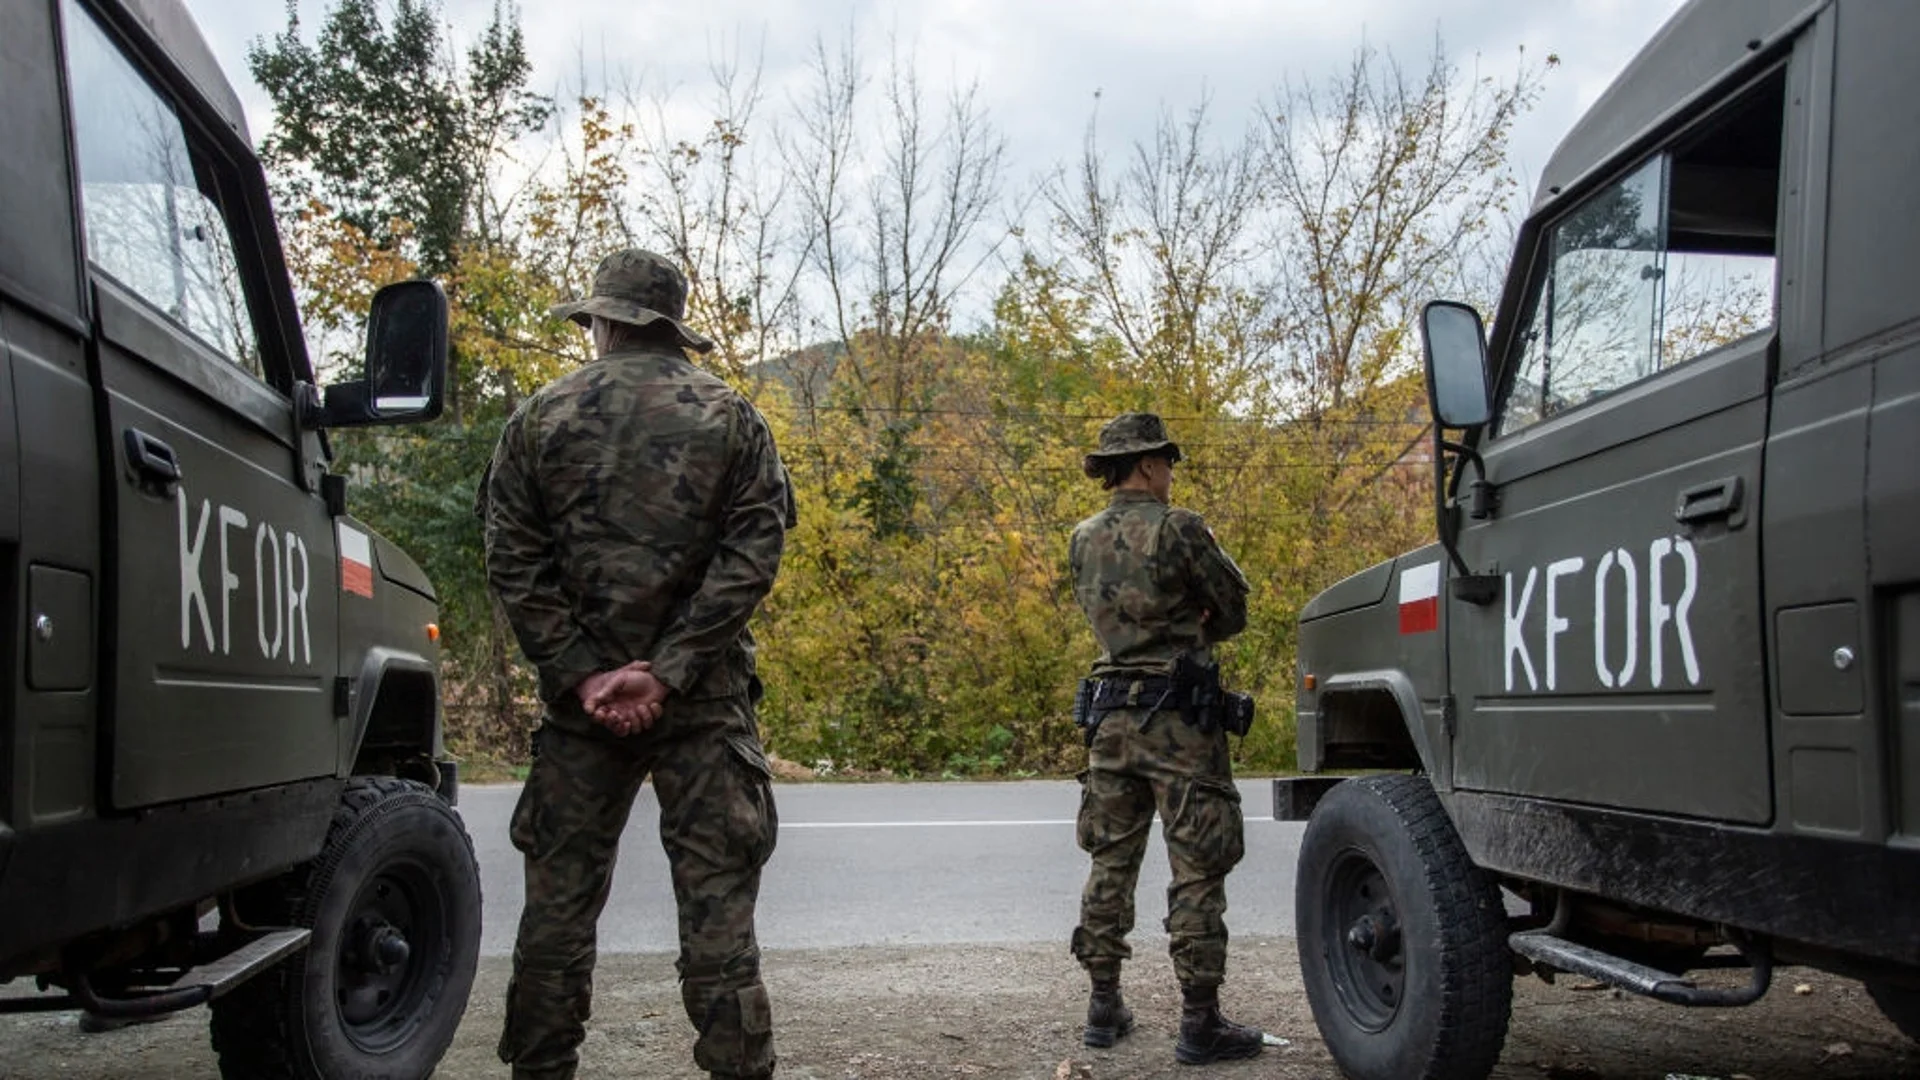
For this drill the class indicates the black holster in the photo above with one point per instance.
(1203, 702)
(1084, 717)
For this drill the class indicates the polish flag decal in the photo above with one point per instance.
(356, 562)
(1420, 598)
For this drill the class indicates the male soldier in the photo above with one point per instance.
(1155, 586)
(635, 513)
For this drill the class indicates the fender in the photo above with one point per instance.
(393, 708)
(1400, 736)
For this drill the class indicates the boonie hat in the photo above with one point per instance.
(637, 287)
(1131, 433)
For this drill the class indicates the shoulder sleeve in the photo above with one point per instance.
(522, 569)
(1210, 572)
(759, 509)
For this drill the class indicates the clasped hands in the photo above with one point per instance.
(626, 700)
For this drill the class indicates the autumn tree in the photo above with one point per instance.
(721, 204)
(1260, 287)
(933, 351)
(1160, 246)
(385, 148)
(378, 123)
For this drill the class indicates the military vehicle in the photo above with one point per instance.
(221, 772)
(1652, 703)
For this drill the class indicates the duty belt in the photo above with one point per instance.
(1098, 697)
(1124, 693)
(1199, 699)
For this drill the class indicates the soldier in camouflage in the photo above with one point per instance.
(1155, 585)
(635, 513)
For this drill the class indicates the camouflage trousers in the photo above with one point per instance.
(1140, 764)
(718, 826)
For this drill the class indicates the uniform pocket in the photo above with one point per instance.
(736, 1036)
(1207, 827)
(527, 827)
(757, 820)
(756, 1014)
(1083, 831)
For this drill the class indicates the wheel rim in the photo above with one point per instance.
(387, 965)
(1362, 941)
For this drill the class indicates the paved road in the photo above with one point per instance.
(898, 864)
(917, 872)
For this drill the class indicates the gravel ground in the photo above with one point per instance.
(892, 1013)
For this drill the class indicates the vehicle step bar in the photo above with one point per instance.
(1552, 951)
(247, 961)
(197, 987)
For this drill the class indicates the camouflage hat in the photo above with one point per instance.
(1131, 433)
(637, 287)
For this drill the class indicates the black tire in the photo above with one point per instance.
(396, 860)
(1900, 1004)
(1403, 941)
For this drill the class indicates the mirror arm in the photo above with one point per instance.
(309, 408)
(1444, 518)
(1470, 455)
(346, 404)
(1477, 589)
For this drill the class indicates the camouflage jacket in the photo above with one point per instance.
(636, 509)
(1145, 573)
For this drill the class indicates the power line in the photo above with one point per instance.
(1185, 467)
(1032, 414)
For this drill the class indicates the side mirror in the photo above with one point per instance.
(1456, 353)
(406, 365)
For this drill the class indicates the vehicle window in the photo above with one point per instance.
(153, 215)
(1670, 262)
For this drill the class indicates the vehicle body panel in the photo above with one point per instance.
(1779, 792)
(1590, 558)
(163, 742)
(222, 584)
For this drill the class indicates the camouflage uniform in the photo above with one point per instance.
(636, 509)
(1153, 583)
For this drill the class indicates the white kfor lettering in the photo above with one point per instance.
(193, 595)
(266, 556)
(1631, 609)
(1659, 615)
(1681, 625)
(1516, 621)
(229, 581)
(299, 634)
(1555, 624)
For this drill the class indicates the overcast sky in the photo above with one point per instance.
(1039, 62)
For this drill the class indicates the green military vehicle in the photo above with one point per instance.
(221, 772)
(1652, 704)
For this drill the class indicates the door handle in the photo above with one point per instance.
(1715, 501)
(153, 462)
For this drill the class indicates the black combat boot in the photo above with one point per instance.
(1108, 1017)
(1206, 1036)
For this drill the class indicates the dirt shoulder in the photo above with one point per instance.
(891, 1013)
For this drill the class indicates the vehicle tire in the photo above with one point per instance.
(1900, 1004)
(393, 901)
(1403, 941)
